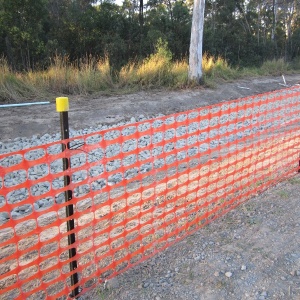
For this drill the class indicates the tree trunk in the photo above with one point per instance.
(274, 20)
(258, 22)
(141, 13)
(196, 45)
(9, 52)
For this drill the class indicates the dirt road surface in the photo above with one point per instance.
(87, 111)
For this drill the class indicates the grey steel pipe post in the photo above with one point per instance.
(62, 106)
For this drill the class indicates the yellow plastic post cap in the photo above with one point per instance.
(62, 104)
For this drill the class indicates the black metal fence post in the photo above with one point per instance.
(62, 106)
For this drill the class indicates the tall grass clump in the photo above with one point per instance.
(127, 76)
(13, 86)
(85, 76)
(155, 70)
(217, 68)
(152, 71)
(59, 77)
(274, 67)
(179, 74)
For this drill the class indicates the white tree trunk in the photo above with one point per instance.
(275, 8)
(196, 45)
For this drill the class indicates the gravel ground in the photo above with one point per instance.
(251, 253)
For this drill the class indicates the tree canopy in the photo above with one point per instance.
(244, 32)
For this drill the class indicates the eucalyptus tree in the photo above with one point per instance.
(196, 44)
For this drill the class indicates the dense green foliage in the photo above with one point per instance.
(245, 33)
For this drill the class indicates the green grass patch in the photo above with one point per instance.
(283, 194)
(294, 180)
(275, 67)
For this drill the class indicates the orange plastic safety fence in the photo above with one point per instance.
(136, 189)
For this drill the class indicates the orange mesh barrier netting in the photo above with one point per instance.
(136, 189)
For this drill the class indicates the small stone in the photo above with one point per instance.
(146, 284)
(243, 268)
(261, 298)
(228, 274)
(297, 273)
(15, 215)
(216, 274)
(113, 283)
(264, 294)
(4, 217)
